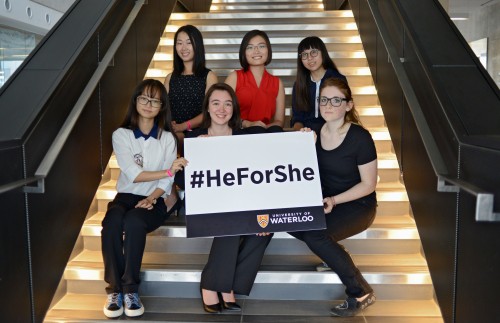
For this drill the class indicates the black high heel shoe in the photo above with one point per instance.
(228, 306)
(212, 309)
(176, 207)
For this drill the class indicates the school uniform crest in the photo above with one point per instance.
(263, 220)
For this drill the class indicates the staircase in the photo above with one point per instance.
(287, 289)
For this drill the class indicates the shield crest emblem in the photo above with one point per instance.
(263, 220)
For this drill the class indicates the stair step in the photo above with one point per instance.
(278, 276)
(88, 308)
(179, 18)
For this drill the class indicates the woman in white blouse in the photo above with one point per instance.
(146, 151)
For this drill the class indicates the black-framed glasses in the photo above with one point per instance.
(144, 100)
(334, 101)
(312, 53)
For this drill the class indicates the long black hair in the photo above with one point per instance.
(163, 119)
(302, 95)
(196, 39)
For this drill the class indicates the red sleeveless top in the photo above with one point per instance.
(257, 103)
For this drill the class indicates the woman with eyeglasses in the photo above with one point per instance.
(261, 95)
(146, 151)
(234, 261)
(347, 162)
(314, 65)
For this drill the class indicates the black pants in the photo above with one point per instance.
(123, 239)
(233, 263)
(345, 220)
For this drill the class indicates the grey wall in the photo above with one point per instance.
(483, 22)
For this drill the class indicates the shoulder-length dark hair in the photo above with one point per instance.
(198, 48)
(235, 121)
(244, 43)
(302, 95)
(351, 115)
(150, 88)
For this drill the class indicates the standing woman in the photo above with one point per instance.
(260, 94)
(347, 162)
(190, 79)
(314, 65)
(234, 261)
(146, 152)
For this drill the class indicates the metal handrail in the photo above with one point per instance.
(484, 200)
(48, 161)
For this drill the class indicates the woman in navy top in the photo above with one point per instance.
(313, 67)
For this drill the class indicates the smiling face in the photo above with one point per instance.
(256, 51)
(328, 111)
(220, 107)
(184, 47)
(148, 104)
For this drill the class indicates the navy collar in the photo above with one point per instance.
(153, 133)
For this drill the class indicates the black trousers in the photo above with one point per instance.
(345, 220)
(123, 239)
(233, 263)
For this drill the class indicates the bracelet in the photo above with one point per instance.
(333, 200)
(188, 124)
(169, 173)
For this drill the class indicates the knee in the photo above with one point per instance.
(315, 238)
(112, 222)
(134, 222)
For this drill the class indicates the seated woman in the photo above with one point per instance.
(347, 162)
(146, 152)
(261, 95)
(314, 65)
(234, 261)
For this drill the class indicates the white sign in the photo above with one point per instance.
(274, 175)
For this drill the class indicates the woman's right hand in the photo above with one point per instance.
(306, 129)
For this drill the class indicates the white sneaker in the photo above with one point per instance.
(114, 305)
(133, 305)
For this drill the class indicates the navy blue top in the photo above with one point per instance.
(307, 118)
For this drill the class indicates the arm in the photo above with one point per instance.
(368, 173)
(297, 117)
(231, 80)
(211, 80)
(279, 114)
(167, 82)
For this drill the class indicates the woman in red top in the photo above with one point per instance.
(260, 94)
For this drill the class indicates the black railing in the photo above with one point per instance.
(424, 72)
(58, 112)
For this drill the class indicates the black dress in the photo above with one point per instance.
(186, 94)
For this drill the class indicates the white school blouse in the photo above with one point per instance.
(135, 155)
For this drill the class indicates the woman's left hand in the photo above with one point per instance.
(327, 205)
(145, 204)
(263, 234)
(178, 164)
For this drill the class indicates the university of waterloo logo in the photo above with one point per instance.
(263, 220)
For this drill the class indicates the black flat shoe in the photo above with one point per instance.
(212, 309)
(229, 306)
